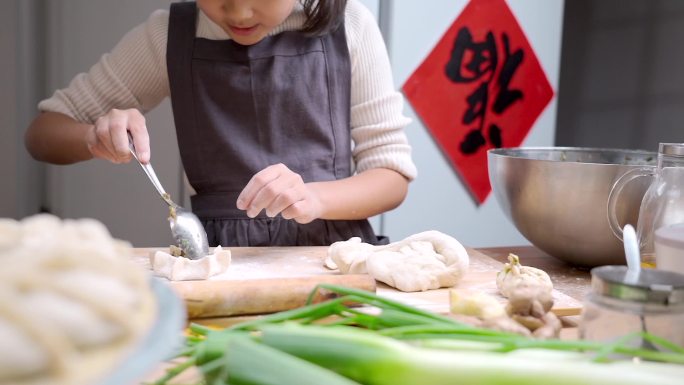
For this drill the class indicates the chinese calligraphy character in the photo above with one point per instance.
(472, 61)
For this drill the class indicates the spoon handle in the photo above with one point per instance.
(632, 254)
(149, 171)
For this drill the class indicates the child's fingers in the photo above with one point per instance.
(255, 184)
(141, 137)
(290, 192)
(305, 210)
(278, 190)
(280, 187)
(118, 130)
(299, 211)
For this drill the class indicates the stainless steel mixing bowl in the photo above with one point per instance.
(557, 198)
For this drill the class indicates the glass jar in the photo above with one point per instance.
(663, 202)
(653, 303)
(669, 246)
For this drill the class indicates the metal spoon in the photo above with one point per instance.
(186, 228)
(633, 270)
(632, 254)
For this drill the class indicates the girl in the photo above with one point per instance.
(268, 97)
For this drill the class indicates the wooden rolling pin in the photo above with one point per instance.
(259, 296)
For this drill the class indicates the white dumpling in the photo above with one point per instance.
(10, 234)
(20, 355)
(69, 295)
(184, 269)
(77, 321)
(40, 233)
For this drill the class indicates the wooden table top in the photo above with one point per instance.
(281, 264)
(569, 280)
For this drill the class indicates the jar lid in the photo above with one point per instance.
(676, 149)
(671, 235)
(652, 286)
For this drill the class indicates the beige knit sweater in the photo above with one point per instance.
(134, 75)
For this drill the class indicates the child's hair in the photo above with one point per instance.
(322, 15)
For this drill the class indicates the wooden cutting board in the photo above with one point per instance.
(268, 279)
(481, 277)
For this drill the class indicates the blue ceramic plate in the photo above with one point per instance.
(161, 343)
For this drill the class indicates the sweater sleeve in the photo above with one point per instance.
(132, 75)
(377, 120)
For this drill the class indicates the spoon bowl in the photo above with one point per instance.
(186, 228)
(188, 232)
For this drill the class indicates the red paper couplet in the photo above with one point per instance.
(481, 87)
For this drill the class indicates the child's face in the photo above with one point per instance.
(247, 21)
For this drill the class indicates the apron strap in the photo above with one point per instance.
(179, 52)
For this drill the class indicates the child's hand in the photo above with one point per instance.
(278, 190)
(109, 140)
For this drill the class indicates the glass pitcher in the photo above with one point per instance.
(663, 203)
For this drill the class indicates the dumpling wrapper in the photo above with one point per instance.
(184, 269)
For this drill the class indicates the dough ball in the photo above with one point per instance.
(350, 256)
(427, 260)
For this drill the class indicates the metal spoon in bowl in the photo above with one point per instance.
(633, 256)
(186, 228)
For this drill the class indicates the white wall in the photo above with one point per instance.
(437, 199)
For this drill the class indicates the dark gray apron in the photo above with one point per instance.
(239, 109)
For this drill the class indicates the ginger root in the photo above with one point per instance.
(531, 307)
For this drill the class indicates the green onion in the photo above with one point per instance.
(235, 358)
(372, 359)
(361, 337)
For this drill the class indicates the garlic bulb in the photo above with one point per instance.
(515, 276)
